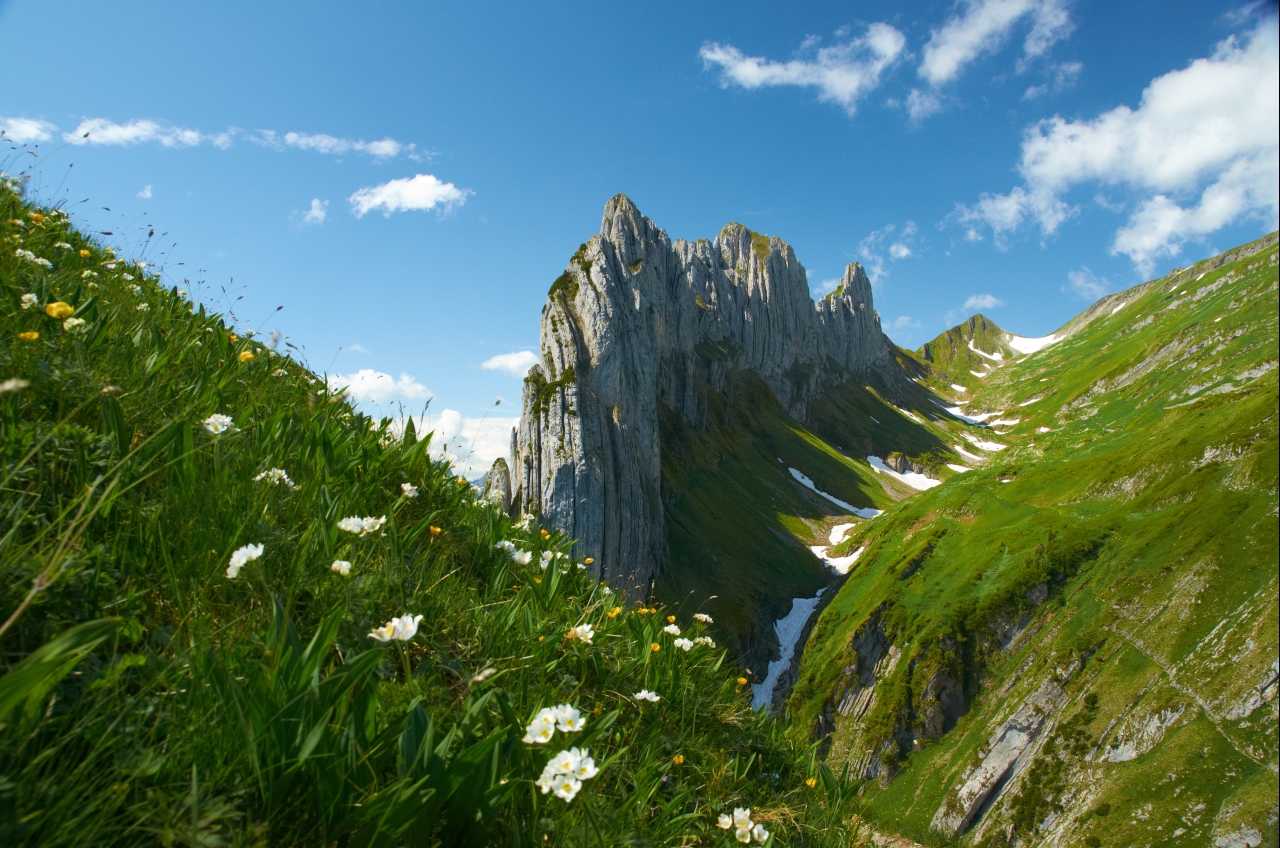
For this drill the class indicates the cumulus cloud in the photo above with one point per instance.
(145, 194)
(515, 364)
(1087, 285)
(469, 444)
(1201, 151)
(376, 387)
(983, 27)
(982, 301)
(26, 130)
(317, 213)
(843, 73)
(418, 193)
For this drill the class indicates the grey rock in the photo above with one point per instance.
(497, 484)
(637, 321)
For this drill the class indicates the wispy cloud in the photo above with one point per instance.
(376, 387)
(515, 364)
(843, 73)
(145, 194)
(872, 249)
(26, 130)
(387, 148)
(100, 131)
(417, 193)
(903, 322)
(317, 213)
(1201, 151)
(1065, 75)
(1088, 285)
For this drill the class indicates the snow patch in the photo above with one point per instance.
(853, 510)
(840, 565)
(996, 357)
(1030, 401)
(976, 374)
(912, 479)
(910, 415)
(1025, 345)
(1043, 430)
(985, 445)
(1005, 422)
(967, 455)
(839, 532)
(1122, 305)
(788, 629)
(958, 468)
(958, 388)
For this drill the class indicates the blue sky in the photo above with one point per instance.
(407, 180)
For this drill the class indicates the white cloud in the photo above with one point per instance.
(103, 131)
(843, 73)
(1201, 151)
(1087, 285)
(369, 386)
(922, 104)
(387, 148)
(356, 348)
(26, 130)
(145, 194)
(515, 364)
(470, 444)
(1065, 75)
(983, 27)
(824, 288)
(982, 301)
(316, 214)
(874, 261)
(903, 322)
(417, 193)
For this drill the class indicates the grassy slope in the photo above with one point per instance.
(145, 698)
(1161, 498)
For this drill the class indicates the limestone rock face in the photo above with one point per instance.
(637, 321)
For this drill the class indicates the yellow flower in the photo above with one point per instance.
(37, 217)
(59, 310)
(246, 356)
(542, 638)
(678, 759)
(811, 782)
(588, 560)
(671, 619)
(435, 531)
(742, 681)
(84, 254)
(613, 613)
(544, 533)
(655, 647)
(234, 337)
(538, 580)
(29, 336)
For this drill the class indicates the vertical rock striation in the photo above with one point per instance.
(637, 321)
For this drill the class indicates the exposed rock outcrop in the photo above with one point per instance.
(637, 321)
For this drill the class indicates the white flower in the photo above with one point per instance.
(672, 629)
(217, 424)
(400, 629)
(705, 640)
(586, 767)
(582, 566)
(279, 372)
(32, 258)
(568, 719)
(725, 822)
(73, 324)
(242, 555)
(566, 787)
(63, 245)
(584, 632)
(525, 522)
(703, 617)
(646, 695)
(683, 644)
(274, 476)
(541, 729)
(742, 817)
(29, 300)
(84, 275)
(139, 263)
(607, 590)
(341, 566)
(362, 526)
(506, 545)
(521, 557)
(144, 307)
(127, 278)
(565, 762)
(13, 384)
(410, 490)
(546, 782)
(135, 288)
(743, 834)
(760, 834)
(545, 560)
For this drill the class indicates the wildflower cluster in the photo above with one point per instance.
(242, 557)
(275, 476)
(564, 717)
(744, 829)
(361, 526)
(565, 772)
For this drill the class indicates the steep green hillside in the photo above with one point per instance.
(188, 605)
(1075, 643)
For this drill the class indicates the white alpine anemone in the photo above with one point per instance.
(29, 300)
(546, 558)
(521, 557)
(703, 617)
(362, 526)
(84, 275)
(144, 307)
(400, 629)
(672, 629)
(217, 424)
(342, 567)
(32, 258)
(565, 772)
(279, 372)
(646, 695)
(275, 476)
(525, 522)
(585, 632)
(507, 546)
(725, 822)
(541, 729)
(705, 640)
(744, 829)
(135, 288)
(683, 644)
(410, 490)
(240, 558)
(127, 278)
(63, 245)
(72, 325)
(568, 719)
